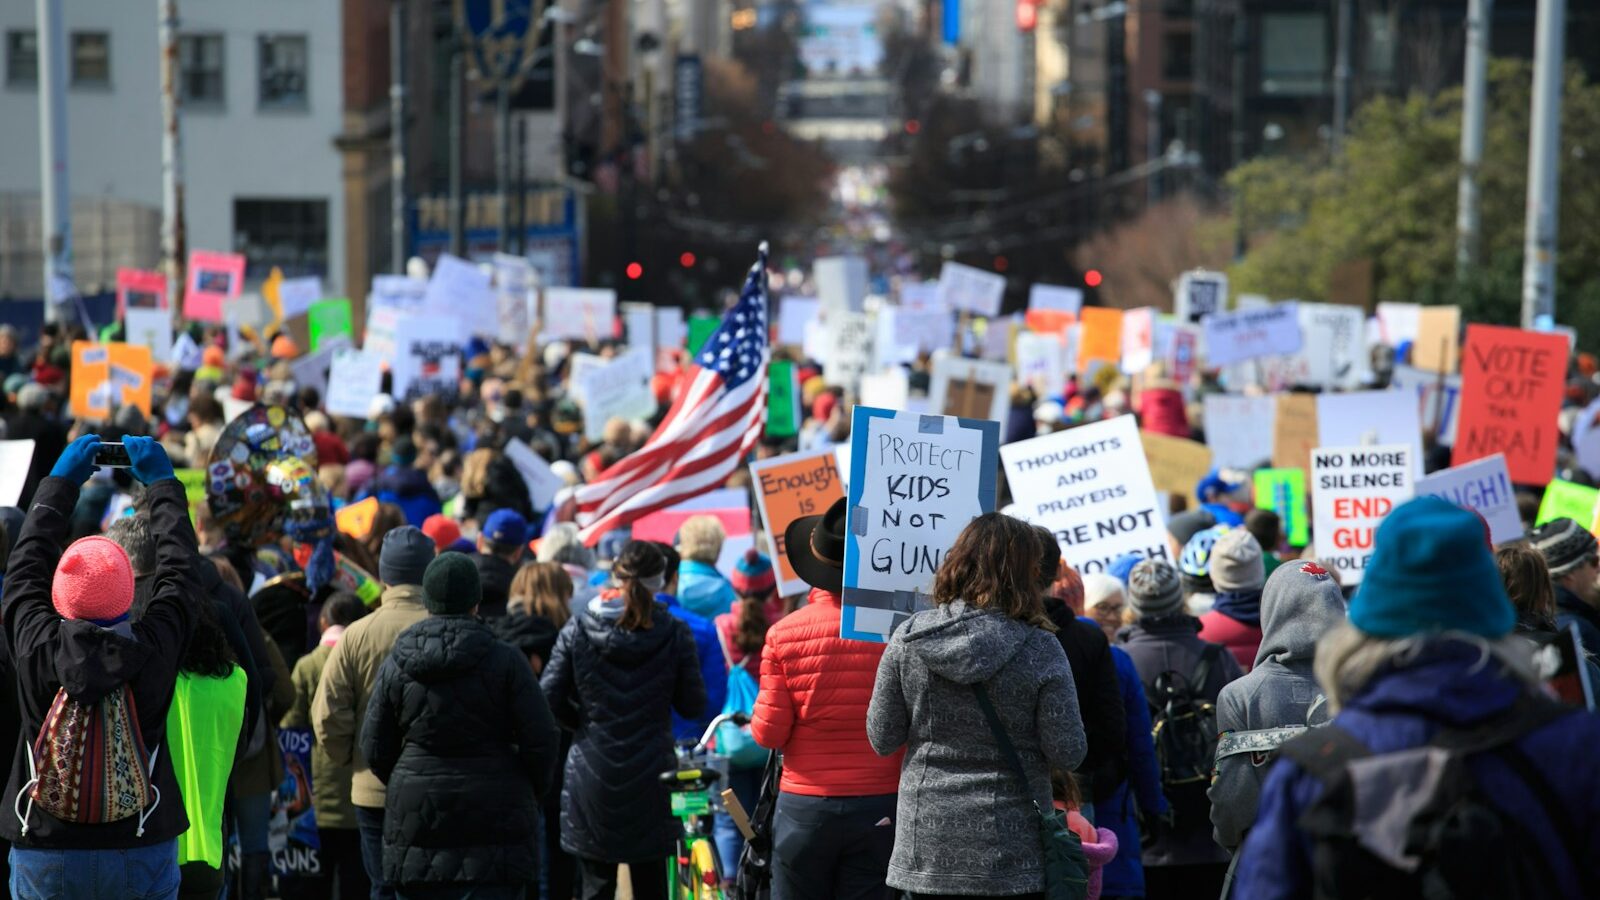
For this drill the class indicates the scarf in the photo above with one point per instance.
(1243, 607)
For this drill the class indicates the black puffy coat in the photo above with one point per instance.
(616, 689)
(459, 732)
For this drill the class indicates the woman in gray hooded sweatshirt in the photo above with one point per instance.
(1278, 699)
(965, 823)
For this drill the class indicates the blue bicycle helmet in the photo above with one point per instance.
(1196, 559)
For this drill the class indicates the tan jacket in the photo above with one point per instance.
(341, 702)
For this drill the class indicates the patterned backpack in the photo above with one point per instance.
(89, 764)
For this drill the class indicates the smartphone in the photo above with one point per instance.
(112, 456)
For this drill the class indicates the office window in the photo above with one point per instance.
(282, 70)
(91, 58)
(289, 234)
(200, 69)
(1178, 61)
(22, 57)
(1381, 46)
(1294, 54)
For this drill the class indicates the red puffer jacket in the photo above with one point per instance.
(815, 687)
(1161, 410)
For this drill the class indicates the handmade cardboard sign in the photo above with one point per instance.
(461, 289)
(427, 357)
(973, 290)
(542, 481)
(620, 389)
(15, 458)
(1138, 339)
(783, 399)
(1284, 492)
(1353, 489)
(1438, 400)
(139, 289)
(1239, 429)
(580, 314)
(150, 328)
(1090, 486)
(295, 295)
(1176, 465)
(354, 379)
(915, 482)
(969, 388)
(794, 312)
(1200, 294)
(1438, 339)
(400, 292)
(1100, 340)
(1248, 334)
(841, 283)
(1366, 418)
(1568, 500)
(1294, 433)
(1481, 485)
(1050, 297)
(1511, 384)
(327, 321)
(850, 343)
(214, 278)
(107, 376)
(788, 488)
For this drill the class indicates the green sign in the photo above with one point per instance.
(783, 399)
(329, 319)
(700, 331)
(1284, 492)
(1563, 499)
(194, 487)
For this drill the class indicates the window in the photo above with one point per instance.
(91, 59)
(22, 57)
(1378, 55)
(282, 71)
(1178, 62)
(289, 234)
(1294, 54)
(200, 69)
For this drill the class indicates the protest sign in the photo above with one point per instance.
(355, 519)
(378, 338)
(783, 399)
(194, 488)
(1294, 432)
(1438, 339)
(1049, 297)
(1334, 354)
(1200, 294)
(1100, 338)
(1048, 321)
(1183, 353)
(1399, 322)
(890, 347)
(1239, 429)
(1481, 485)
(1586, 439)
(997, 335)
(788, 488)
(1070, 339)
(401, 292)
(1176, 464)
(517, 300)
(639, 325)
(1511, 384)
(850, 340)
(972, 290)
(969, 388)
(928, 329)
(15, 458)
(1369, 418)
(150, 328)
(1438, 400)
(841, 283)
(313, 369)
(619, 389)
(1284, 492)
(427, 357)
(461, 289)
(1568, 500)
(186, 353)
(108, 376)
(582, 314)
(297, 857)
(1039, 359)
(1248, 334)
(1138, 339)
(1090, 486)
(701, 328)
(671, 334)
(138, 289)
(329, 320)
(355, 377)
(794, 313)
(889, 389)
(214, 278)
(1353, 488)
(1252, 301)
(295, 295)
(922, 295)
(542, 482)
(914, 484)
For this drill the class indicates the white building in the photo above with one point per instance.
(261, 107)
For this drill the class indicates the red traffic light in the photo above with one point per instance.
(1092, 278)
(1001, 264)
(634, 271)
(913, 126)
(687, 260)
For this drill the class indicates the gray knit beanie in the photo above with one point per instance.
(1153, 589)
(405, 556)
(1236, 563)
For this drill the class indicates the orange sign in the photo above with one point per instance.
(788, 488)
(1511, 384)
(1102, 337)
(108, 376)
(355, 520)
(1049, 321)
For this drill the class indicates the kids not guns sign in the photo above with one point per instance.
(1353, 489)
(915, 482)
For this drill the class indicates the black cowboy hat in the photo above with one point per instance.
(815, 545)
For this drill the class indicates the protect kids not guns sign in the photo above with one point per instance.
(1353, 489)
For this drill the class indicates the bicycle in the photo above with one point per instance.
(694, 871)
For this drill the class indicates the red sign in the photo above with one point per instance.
(1511, 383)
(138, 289)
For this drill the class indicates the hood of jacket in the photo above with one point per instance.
(92, 661)
(403, 481)
(964, 645)
(620, 646)
(1448, 680)
(442, 648)
(1297, 609)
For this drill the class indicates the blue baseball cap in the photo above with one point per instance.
(505, 526)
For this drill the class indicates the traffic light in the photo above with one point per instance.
(1001, 264)
(635, 271)
(687, 260)
(1092, 278)
(913, 126)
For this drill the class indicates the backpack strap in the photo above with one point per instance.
(1324, 752)
(1261, 740)
(1007, 749)
(1202, 669)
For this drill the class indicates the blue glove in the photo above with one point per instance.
(77, 461)
(149, 459)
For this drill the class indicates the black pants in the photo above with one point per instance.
(648, 877)
(832, 848)
(1182, 882)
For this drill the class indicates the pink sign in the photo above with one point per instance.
(213, 278)
(139, 289)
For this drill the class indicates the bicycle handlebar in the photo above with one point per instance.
(738, 718)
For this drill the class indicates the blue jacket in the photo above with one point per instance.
(1573, 610)
(408, 489)
(1402, 708)
(713, 669)
(703, 590)
(1123, 876)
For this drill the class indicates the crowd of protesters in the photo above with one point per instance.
(493, 722)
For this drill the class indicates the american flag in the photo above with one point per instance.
(707, 434)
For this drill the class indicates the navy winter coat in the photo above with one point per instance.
(1123, 876)
(1402, 708)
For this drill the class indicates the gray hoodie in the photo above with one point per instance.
(964, 824)
(1300, 603)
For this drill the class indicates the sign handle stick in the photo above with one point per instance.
(1438, 392)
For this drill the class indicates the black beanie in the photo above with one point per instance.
(451, 587)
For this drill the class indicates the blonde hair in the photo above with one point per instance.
(1347, 657)
(543, 589)
(475, 472)
(700, 538)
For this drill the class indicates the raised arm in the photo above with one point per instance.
(29, 615)
(169, 619)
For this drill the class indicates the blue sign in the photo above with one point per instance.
(501, 36)
(553, 229)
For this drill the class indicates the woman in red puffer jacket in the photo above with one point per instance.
(1161, 407)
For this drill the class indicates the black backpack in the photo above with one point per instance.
(1183, 725)
(1423, 827)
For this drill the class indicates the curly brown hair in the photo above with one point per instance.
(995, 563)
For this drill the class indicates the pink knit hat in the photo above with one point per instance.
(94, 580)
